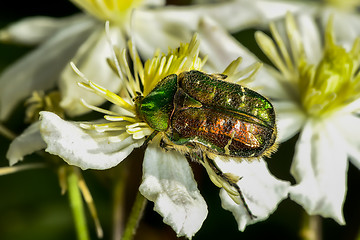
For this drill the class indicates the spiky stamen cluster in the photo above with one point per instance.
(139, 81)
(321, 88)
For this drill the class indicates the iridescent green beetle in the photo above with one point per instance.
(200, 114)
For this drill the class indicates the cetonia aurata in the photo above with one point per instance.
(202, 115)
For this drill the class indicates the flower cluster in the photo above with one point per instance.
(320, 98)
(207, 100)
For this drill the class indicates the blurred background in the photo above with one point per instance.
(32, 207)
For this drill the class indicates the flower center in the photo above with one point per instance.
(334, 82)
(116, 11)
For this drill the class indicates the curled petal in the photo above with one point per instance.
(83, 148)
(28, 142)
(319, 167)
(168, 182)
(261, 190)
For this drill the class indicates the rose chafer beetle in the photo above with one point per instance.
(201, 115)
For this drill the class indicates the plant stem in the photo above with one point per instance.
(76, 203)
(311, 227)
(7, 133)
(135, 216)
(119, 201)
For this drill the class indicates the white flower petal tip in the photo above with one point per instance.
(28, 142)
(320, 168)
(168, 182)
(83, 148)
(262, 191)
(300, 194)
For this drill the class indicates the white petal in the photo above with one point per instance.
(40, 69)
(290, 119)
(264, 11)
(28, 142)
(221, 55)
(233, 16)
(309, 31)
(90, 59)
(154, 2)
(349, 126)
(261, 190)
(346, 26)
(168, 182)
(320, 168)
(83, 148)
(272, 10)
(34, 30)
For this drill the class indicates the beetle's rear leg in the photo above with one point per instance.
(228, 179)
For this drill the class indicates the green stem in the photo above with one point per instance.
(76, 203)
(311, 227)
(118, 200)
(135, 216)
(7, 133)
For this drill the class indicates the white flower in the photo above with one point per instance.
(81, 39)
(247, 187)
(318, 91)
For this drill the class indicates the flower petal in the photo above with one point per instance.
(262, 191)
(349, 126)
(153, 2)
(258, 13)
(40, 69)
(309, 31)
(91, 60)
(346, 26)
(34, 30)
(319, 167)
(168, 182)
(221, 55)
(83, 148)
(290, 119)
(28, 142)
(232, 15)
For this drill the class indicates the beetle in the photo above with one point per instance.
(202, 115)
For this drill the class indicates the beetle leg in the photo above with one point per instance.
(228, 180)
(148, 139)
(165, 146)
